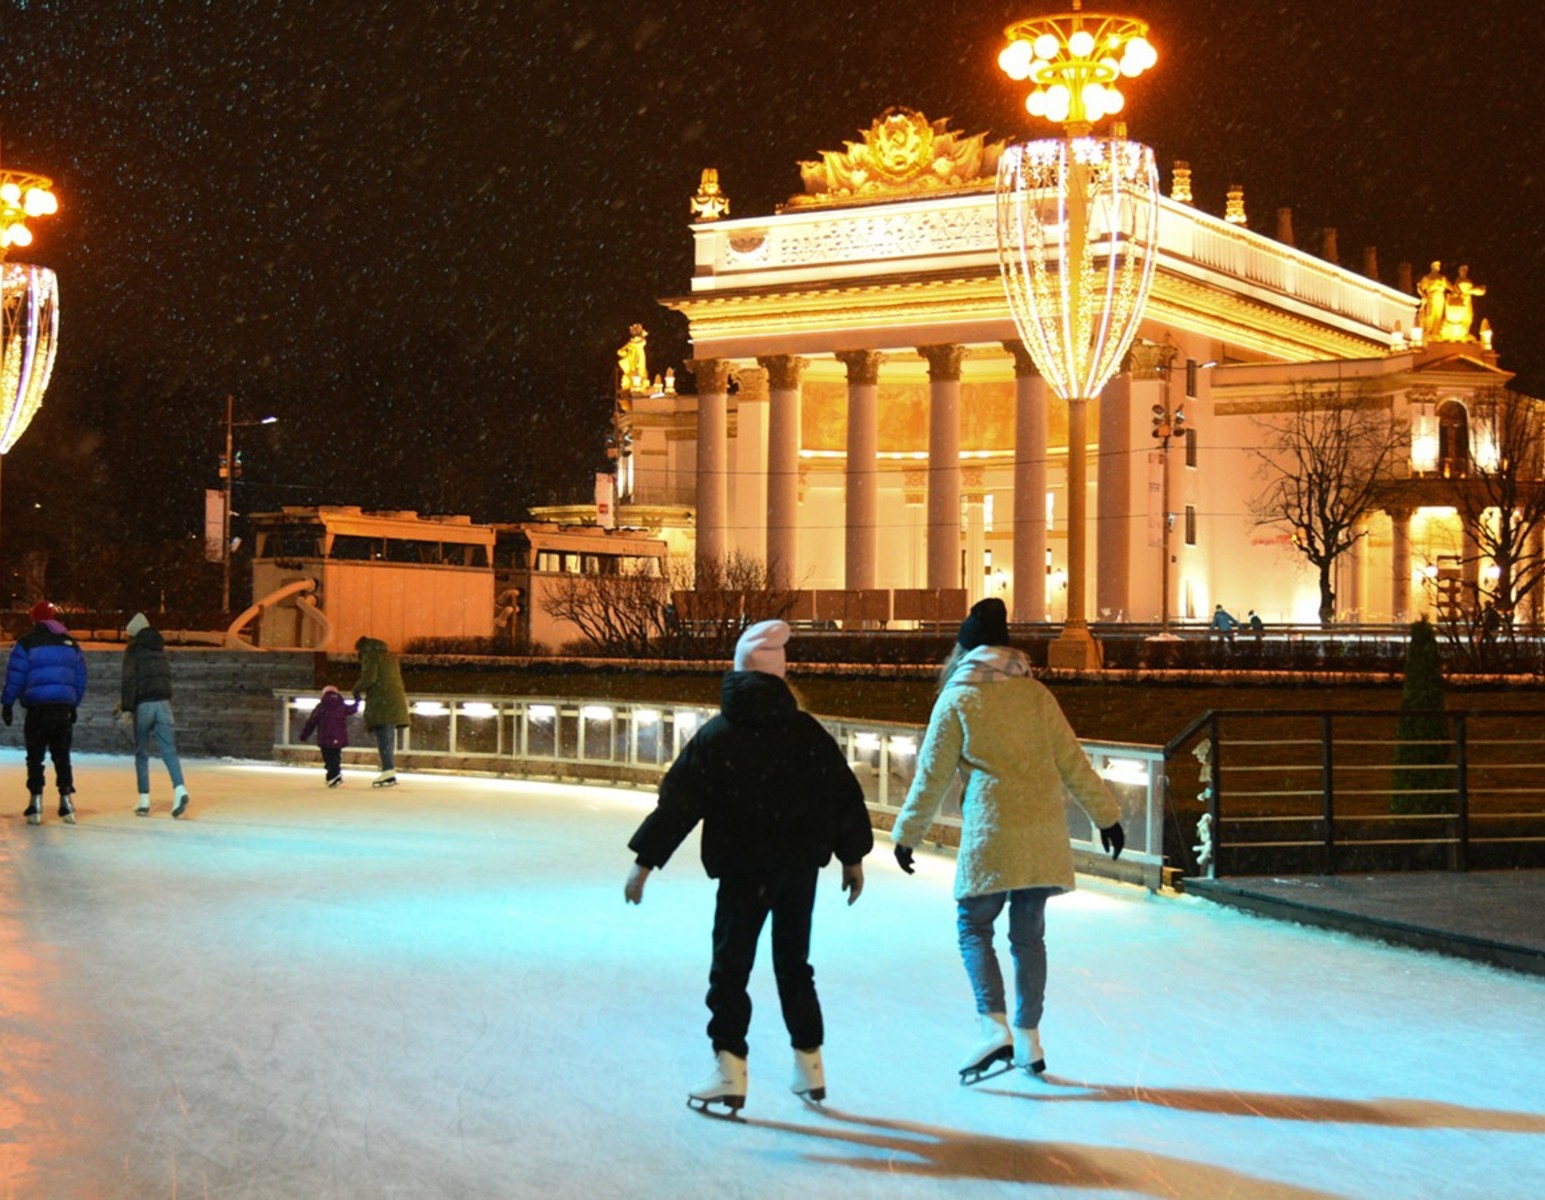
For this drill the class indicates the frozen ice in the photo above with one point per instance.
(437, 991)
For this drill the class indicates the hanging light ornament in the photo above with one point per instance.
(29, 306)
(1078, 226)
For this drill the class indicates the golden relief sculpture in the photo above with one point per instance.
(902, 152)
(632, 369)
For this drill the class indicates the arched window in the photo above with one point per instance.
(1453, 440)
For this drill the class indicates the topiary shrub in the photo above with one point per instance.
(1423, 782)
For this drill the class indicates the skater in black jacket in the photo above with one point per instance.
(777, 799)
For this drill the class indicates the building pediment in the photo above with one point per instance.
(1461, 364)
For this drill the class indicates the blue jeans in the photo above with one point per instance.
(386, 743)
(153, 718)
(1027, 942)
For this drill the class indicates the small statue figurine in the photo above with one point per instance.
(1433, 290)
(632, 370)
(1459, 313)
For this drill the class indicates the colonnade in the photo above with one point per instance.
(861, 550)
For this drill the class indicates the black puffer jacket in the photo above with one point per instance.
(147, 673)
(771, 787)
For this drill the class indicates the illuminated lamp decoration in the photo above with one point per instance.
(1078, 225)
(29, 307)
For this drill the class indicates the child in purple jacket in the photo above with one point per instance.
(330, 721)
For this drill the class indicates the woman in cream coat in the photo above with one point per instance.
(1016, 754)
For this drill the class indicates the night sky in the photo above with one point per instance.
(417, 231)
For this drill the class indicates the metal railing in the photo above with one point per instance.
(1294, 791)
(597, 740)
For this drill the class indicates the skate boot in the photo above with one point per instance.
(34, 813)
(385, 779)
(993, 1053)
(334, 780)
(809, 1076)
(66, 808)
(142, 809)
(725, 1086)
(1028, 1055)
(180, 805)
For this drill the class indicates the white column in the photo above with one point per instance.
(944, 464)
(748, 471)
(863, 467)
(1115, 513)
(1400, 564)
(783, 436)
(1030, 423)
(713, 381)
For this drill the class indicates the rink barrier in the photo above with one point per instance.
(575, 739)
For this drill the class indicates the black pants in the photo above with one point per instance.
(332, 761)
(48, 727)
(743, 907)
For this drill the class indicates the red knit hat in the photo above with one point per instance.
(41, 611)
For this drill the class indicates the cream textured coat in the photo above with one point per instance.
(1016, 753)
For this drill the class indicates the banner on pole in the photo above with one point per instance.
(214, 524)
(606, 500)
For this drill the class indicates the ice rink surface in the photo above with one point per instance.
(437, 991)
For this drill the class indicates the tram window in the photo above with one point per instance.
(351, 547)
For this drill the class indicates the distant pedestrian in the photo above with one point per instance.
(47, 674)
(145, 707)
(776, 799)
(1004, 736)
(1224, 622)
(386, 702)
(329, 720)
(1257, 626)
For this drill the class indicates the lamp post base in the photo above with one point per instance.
(1074, 649)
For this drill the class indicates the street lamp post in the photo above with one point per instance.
(1077, 239)
(228, 471)
(29, 307)
(1168, 422)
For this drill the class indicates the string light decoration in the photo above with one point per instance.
(29, 306)
(1078, 228)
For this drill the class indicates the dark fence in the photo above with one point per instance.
(1310, 791)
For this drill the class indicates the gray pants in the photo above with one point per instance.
(1027, 943)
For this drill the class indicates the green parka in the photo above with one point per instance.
(380, 683)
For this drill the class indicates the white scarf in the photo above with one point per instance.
(989, 664)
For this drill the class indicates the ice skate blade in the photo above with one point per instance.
(68, 818)
(811, 1095)
(999, 1062)
(384, 783)
(729, 1112)
(34, 818)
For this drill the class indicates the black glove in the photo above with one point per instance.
(1113, 838)
(72, 716)
(904, 858)
(5, 714)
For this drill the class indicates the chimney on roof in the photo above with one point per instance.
(1371, 261)
(1403, 278)
(1329, 251)
(1285, 226)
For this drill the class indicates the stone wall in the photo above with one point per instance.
(222, 700)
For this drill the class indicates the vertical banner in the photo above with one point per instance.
(1156, 514)
(606, 500)
(214, 524)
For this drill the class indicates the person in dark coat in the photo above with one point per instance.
(145, 705)
(329, 720)
(386, 702)
(47, 674)
(776, 798)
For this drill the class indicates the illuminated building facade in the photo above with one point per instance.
(867, 420)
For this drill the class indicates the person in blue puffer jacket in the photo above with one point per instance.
(47, 673)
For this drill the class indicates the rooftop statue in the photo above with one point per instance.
(902, 152)
(1460, 311)
(632, 370)
(1433, 290)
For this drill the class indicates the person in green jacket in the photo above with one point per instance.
(1004, 735)
(386, 702)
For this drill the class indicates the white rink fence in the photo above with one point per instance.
(607, 741)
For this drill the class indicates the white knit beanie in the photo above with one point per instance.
(137, 622)
(761, 648)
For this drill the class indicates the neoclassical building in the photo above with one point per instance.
(867, 422)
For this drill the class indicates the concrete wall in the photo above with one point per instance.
(222, 701)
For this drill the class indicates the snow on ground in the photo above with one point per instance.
(437, 991)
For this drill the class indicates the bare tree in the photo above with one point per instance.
(623, 614)
(1327, 460)
(1500, 497)
(718, 600)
